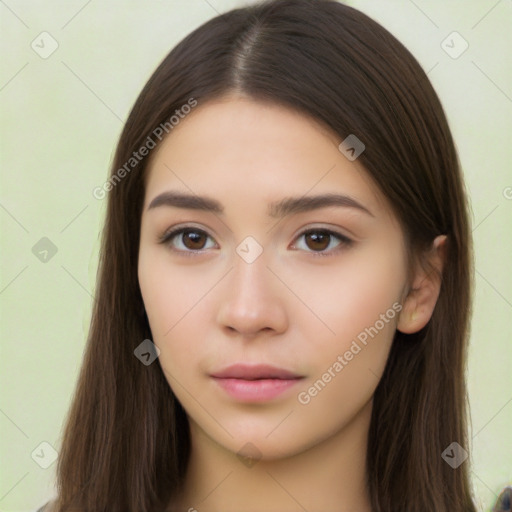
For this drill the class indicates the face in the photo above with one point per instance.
(263, 274)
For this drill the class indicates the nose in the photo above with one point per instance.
(253, 300)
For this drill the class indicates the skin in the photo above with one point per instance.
(290, 308)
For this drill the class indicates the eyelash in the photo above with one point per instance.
(168, 236)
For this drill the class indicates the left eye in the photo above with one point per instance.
(319, 240)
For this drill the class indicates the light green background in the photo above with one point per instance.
(61, 117)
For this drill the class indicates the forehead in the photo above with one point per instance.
(248, 127)
(239, 148)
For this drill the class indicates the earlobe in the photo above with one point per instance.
(419, 304)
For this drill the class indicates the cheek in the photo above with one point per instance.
(346, 367)
(368, 291)
(173, 298)
(169, 292)
(346, 298)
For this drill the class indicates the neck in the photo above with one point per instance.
(329, 475)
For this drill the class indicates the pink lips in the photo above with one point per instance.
(255, 383)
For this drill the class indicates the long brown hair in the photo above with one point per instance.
(126, 441)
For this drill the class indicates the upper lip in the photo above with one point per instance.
(255, 371)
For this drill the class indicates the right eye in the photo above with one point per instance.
(187, 240)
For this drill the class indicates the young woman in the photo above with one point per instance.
(284, 290)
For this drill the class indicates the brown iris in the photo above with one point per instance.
(196, 239)
(319, 240)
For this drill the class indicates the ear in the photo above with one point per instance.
(421, 299)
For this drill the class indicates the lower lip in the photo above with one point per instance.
(255, 390)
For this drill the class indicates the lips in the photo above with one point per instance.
(255, 383)
(255, 372)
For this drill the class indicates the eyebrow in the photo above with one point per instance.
(278, 209)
